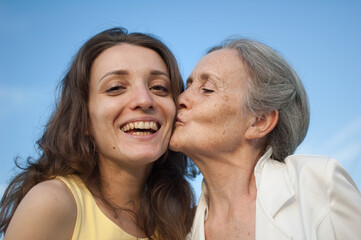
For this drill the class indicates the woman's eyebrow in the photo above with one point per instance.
(158, 72)
(116, 72)
(189, 81)
(203, 78)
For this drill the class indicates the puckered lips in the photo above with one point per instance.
(140, 128)
(179, 121)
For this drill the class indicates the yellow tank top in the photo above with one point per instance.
(91, 223)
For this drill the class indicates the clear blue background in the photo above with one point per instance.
(322, 41)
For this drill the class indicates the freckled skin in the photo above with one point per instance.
(212, 131)
(210, 118)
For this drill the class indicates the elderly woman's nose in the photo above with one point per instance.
(183, 100)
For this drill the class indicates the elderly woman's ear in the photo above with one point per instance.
(260, 126)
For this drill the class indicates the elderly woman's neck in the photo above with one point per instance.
(230, 177)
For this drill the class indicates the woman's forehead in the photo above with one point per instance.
(225, 65)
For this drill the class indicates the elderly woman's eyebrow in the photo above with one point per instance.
(189, 81)
(211, 75)
(204, 76)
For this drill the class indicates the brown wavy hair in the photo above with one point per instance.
(167, 201)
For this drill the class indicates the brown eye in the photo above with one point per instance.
(160, 90)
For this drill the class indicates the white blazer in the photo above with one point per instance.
(306, 197)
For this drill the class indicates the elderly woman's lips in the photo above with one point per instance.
(179, 120)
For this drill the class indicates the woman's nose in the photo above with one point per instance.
(142, 98)
(183, 100)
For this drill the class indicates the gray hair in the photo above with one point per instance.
(274, 85)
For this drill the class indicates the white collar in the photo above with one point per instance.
(272, 182)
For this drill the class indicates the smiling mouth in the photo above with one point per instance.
(140, 128)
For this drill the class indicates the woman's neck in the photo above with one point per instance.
(123, 185)
(231, 193)
(229, 177)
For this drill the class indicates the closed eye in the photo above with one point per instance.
(115, 89)
(206, 90)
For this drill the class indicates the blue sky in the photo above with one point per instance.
(321, 41)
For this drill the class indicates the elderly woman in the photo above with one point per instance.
(243, 114)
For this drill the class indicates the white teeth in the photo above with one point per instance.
(140, 125)
(141, 133)
(153, 126)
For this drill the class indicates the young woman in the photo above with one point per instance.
(104, 170)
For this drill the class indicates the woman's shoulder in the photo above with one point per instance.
(312, 164)
(48, 206)
(53, 191)
(307, 159)
(324, 186)
(50, 194)
(320, 171)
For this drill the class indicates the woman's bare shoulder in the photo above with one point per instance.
(48, 211)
